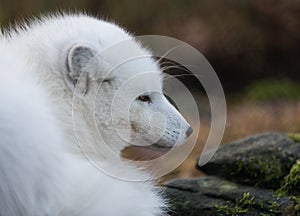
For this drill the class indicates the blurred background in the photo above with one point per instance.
(254, 47)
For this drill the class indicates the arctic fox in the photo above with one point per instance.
(54, 68)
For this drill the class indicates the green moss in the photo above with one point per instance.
(247, 204)
(270, 169)
(246, 200)
(241, 206)
(291, 183)
(294, 136)
(274, 208)
(264, 171)
(291, 186)
(230, 210)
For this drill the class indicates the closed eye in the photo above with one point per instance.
(144, 98)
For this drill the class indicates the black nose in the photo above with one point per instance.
(189, 131)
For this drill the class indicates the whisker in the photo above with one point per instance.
(166, 63)
(172, 67)
(181, 68)
(167, 52)
(168, 76)
(178, 67)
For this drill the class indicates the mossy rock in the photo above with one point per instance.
(267, 169)
(211, 196)
(291, 187)
(291, 183)
(263, 160)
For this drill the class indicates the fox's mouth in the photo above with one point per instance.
(142, 153)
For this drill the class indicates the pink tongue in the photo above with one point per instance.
(141, 153)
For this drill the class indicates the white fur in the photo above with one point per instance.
(39, 172)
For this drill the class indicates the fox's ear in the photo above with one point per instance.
(79, 64)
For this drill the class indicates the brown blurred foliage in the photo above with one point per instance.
(243, 40)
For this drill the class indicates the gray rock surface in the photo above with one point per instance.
(263, 179)
(210, 196)
(262, 160)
